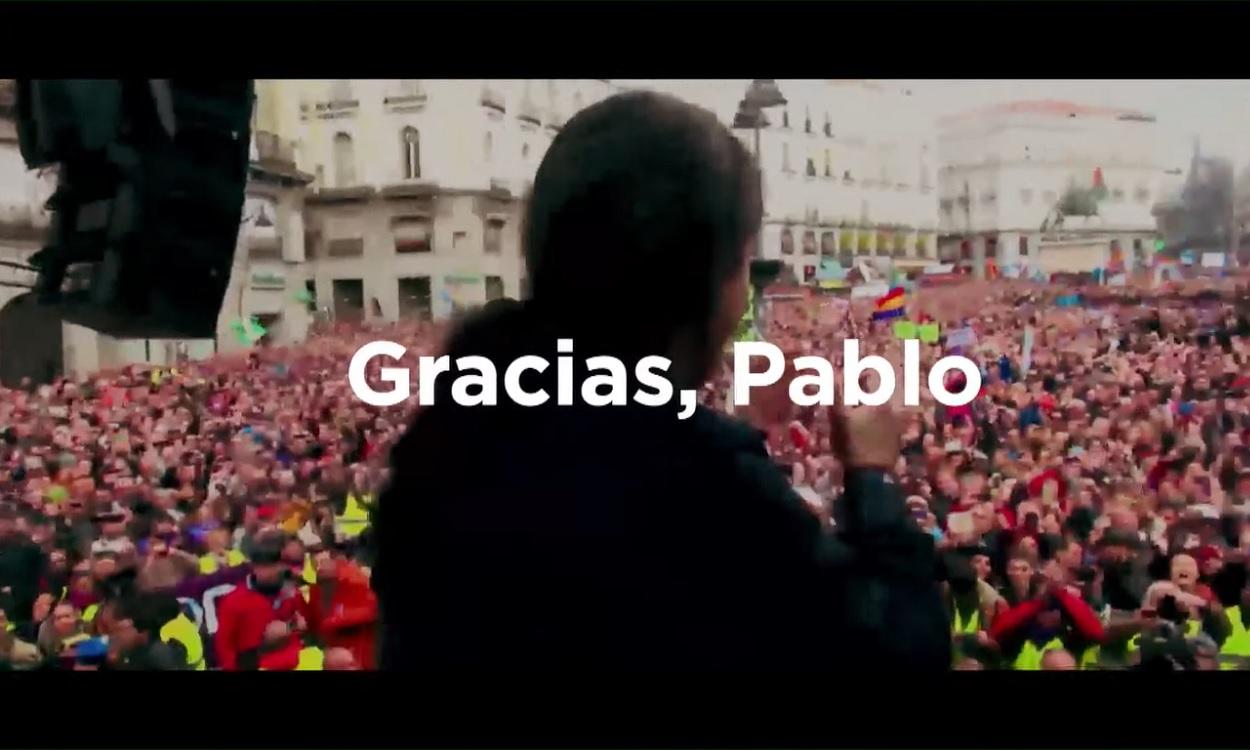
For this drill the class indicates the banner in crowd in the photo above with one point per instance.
(964, 338)
(1213, 260)
(1026, 351)
(905, 329)
(830, 270)
(929, 333)
(869, 291)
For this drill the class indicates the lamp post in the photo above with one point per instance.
(761, 94)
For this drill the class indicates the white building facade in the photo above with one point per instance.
(849, 172)
(415, 207)
(1005, 168)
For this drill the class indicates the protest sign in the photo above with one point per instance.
(961, 337)
(1026, 351)
(905, 329)
(929, 333)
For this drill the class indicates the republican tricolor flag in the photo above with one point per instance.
(892, 305)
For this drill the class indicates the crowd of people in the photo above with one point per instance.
(213, 514)
(1089, 506)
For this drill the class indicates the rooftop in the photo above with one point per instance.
(1046, 108)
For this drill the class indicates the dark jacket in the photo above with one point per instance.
(620, 538)
(156, 656)
(21, 568)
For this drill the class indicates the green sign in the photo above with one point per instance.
(929, 332)
(268, 280)
(905, 329)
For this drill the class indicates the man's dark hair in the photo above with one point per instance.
(146, 611)
(658, 191)
(267, 548)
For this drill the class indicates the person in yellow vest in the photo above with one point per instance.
(311, 659)
(182, 630)
(1234, 635)
(300, 562)
(1056, 618)
(219, 554)
(355, 517)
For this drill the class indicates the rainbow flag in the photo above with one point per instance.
(892, 305)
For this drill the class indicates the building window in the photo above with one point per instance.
(494, 288)
(846, 245)
(809, 242)
(809, 274)
(412, 235)
(965, 250)
(345, 247)
(883, 243)
(828, 164)
(349, 300)
(414, 297)
(1141, 195)
(412, 153)
(828, 245)
(787, 242)
(494, 237)
(811, 167)
(991, 248)
(807, 121)
(525, 151)
(1026, 196)
(785, 118)
(846, 252)
(310, 286)
(488, 147)
(459, 241)
(344, 161)
(319, 176)
(828, 126)
(922, 246)
(1023, 247)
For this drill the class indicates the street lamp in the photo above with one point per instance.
(761, 94)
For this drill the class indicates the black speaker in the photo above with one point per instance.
(765, 272)
(151, 184)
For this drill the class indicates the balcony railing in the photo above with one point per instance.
(271, 149)
(352, 247)
(528, 112)
(492, 99)
(334, 108)
(409, 95)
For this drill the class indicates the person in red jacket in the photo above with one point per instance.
(1059, 612)
(342, 610)
(267, 596)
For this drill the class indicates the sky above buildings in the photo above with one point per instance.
(1216, 111)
